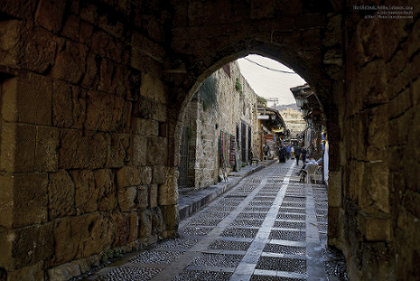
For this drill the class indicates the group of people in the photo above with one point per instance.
(286, 152)
(300, 154)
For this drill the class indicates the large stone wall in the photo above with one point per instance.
(377, 203)
(84, 136)
(91, 98)
(225, 114)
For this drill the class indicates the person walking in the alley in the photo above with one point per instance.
(297, 154)
(303, 152)
(282, 154)
(288, 150)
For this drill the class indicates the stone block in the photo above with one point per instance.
(96, 234)
(120, 223)
(30, 200)
(64, 272)
(61, 193)
(86, 191)
(104, 179)
(149, 109)
(50, 14)
(355, 173)
(70, 62)
(33, 272)
(129, 176)
(27, 99)
(139, 150)
(27, 148)
(145, 127)
(38, 49)
(146, 175)
(145, 231)
(373, 84)
(159, 174)
(157, 151)
(168, 192)
(80, 236)
(134, 83)
(9, 39)
(143, 197)
(33, 244)
(120, 82)
(79, 107)
(374, 228)
(106, 46)
(157, 222)
(375, 192)
(80, 150)
(153, 88)
(91, 77)
(107, 69)
(46, 159)
(127, 197)
(153, 195)
(170, 217)
(134, 227)
(71, 27)
(120, 145)
(17, 149)
(62, 105)
(69, 106)
(377, 126)
(104, 112)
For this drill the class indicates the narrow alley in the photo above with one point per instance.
(268, 227)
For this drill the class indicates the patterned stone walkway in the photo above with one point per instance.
(268, 227)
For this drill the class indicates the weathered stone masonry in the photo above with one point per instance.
(84, 135)
(92, 91)
(234, 102)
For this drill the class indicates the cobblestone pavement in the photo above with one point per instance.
(268, 227)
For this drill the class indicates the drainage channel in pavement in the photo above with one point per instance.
(265, 228)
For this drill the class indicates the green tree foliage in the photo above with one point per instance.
(261, 101)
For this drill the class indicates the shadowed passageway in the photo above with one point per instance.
(93, 95)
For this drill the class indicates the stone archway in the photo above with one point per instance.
(126, 67)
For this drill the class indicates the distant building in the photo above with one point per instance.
(294, 121)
